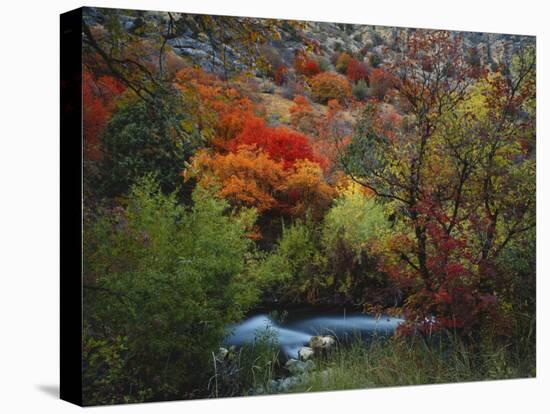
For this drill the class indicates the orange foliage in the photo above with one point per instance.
(279, 76)
(342, 62)
(246, 178)
(219, 110)
(330, 85)
(380, 82)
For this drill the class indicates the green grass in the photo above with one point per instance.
(413, 361)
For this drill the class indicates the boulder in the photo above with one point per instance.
(322, 342)
(305, 353)
(222, 353)
(297, 367)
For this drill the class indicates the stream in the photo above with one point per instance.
(298, 327)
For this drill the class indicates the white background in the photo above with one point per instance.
(29, 205)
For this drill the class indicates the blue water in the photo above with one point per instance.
(296, 330)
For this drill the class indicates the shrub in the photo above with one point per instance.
(342, 62)
(305, 65)
(98, 97)
(360, 90)
(356, 71)
(215, 108)
(247, 177)
(282, 144)
(324, 64)
(292, 89)
(380, 83)
(280, 75)
(307, 190)
(329, 85)
(155, 273)
(302, 117)
(355, 218)
(311, 68)
(267, 87)
(375, 59)
(144, 138)
(296, 263)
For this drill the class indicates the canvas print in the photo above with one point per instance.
(274, 206)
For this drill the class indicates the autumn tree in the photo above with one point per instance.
(356, 71)
(247, 177)
(329, 85)
(459, 184)
(98, 96)
(381, 82)
(217, 110)
(307, 190)
(281, 143)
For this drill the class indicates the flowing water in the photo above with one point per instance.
(297, 328)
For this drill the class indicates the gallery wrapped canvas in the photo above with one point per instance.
(266, 206)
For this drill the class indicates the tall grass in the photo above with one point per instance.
(415, 360)
(247, 369)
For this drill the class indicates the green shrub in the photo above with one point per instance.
(166, 279)
(360, 90)
(296, 264)
(375, 59)
(354, 218)
(324, 64)
(144, 138)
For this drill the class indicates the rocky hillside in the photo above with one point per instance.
(373, 44)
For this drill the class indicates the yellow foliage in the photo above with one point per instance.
(309, 189)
